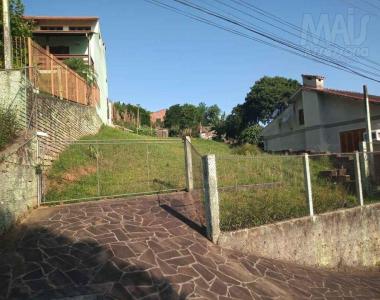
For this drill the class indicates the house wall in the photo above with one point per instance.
(98, 54)
(285, 132)
(340, 115)
(62, 120)
(78, 44)
(326, 116)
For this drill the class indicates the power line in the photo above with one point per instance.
(335, 49)
(371, 4)
(300, 30)
(273, 41)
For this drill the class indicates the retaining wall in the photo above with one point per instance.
(18, 188)
(62, 120)
(340, 240)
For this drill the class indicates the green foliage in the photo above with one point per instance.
(19, 26)
(9, 126)
(133, 111)
(266, 96)
(247, 149)
(251, 135)
(82, 69)
(187, 118)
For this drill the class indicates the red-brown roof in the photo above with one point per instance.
(345, 94)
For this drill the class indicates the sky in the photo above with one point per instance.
(157, 58)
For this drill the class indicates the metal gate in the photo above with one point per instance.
(90, 170)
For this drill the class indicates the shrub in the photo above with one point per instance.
(8, 126)
(251, 135)
(82, 69)
(247, 149)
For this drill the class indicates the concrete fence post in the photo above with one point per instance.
(358, 177)
(188, 164)
(211, 197)
(39, 200)
(365, 172)
(308, 188)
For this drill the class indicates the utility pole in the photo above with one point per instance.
(138, 118)
(368, 119)
(7, 36)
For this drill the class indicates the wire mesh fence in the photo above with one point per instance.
(371, 176)
(89, 170)
(334, 182)
(258, 190)
(198, 192)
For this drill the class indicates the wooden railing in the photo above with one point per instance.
(52, 76)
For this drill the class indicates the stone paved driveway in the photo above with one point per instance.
(134, 249)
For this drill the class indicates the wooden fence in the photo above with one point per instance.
(52, 76)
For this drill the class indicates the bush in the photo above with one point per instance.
(8, 126)
(247, 149)
(251, 135)
(82, 69)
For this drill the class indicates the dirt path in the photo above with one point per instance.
(134, 249)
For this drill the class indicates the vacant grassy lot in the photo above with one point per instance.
(120, 163)
(254, 190)
(265, 189)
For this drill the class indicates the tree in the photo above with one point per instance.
(251, 135)
(188, 117)
(19, 26)
(266, 96)
(212, 116)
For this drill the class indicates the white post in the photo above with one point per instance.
(308, 184)
(7, 36)
(358, 177)
(211, 197)
(188, 164)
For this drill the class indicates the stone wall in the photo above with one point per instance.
(340, 240)
(18, 188)
(13, 93)
(63, 121)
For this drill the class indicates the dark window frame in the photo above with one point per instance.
(51, 28)
(301, 117)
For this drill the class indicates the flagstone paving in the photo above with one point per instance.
(134, 249)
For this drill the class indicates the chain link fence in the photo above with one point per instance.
(334, 182)
(89, 170)
(256, 190)
(371, 176)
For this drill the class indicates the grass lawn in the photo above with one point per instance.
(273, 186)
(126, 164)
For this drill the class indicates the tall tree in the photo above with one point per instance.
(266, 96)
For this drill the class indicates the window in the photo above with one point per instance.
(301, 117)
(59, 50)
(80, 28)
(51, 28)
